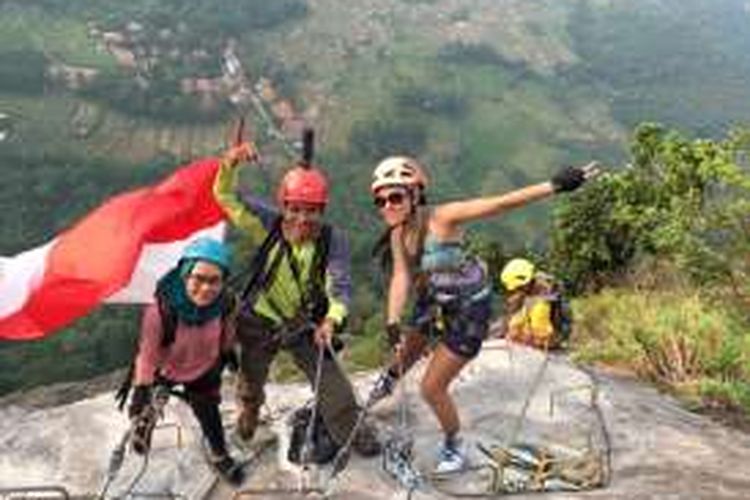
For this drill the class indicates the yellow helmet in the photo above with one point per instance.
(517, 273)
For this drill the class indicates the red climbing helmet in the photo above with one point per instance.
(306, 185)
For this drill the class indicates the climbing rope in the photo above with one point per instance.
(515, 468)
(398, 451)
(304, 486)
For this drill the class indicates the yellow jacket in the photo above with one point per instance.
(532, 323)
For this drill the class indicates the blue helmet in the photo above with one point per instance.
(208, 249)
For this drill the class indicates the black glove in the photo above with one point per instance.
(393, 333)
(229, 359)
(568, 179)
(140, 400)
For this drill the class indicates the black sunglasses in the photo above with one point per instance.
(394, 199)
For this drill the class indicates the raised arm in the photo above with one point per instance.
(447, 216)
(225, 192)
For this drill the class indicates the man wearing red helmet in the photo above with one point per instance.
(297, 294)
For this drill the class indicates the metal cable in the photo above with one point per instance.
(535, 384)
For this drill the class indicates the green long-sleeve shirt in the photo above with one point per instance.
(282, 295)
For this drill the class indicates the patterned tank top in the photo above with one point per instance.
(452, 272)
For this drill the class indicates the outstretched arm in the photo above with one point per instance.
(458, 212)
(449, 215)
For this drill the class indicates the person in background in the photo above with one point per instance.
(535, 311)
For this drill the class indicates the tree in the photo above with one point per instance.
(679, 199)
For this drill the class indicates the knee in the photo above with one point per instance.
(432, 390)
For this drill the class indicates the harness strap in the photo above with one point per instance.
(263, 275)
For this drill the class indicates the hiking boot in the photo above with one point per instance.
(450, 460)
(383, 388)
(247, 423)
(366, 442)
(228, 469)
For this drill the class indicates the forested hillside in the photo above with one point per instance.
(101, 96)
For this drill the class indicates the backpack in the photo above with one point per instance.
(560, 311)
(562, 318)
(323, 448)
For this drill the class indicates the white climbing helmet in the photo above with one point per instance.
(398, 171)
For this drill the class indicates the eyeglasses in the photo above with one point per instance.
(395, 199)
(212, 281)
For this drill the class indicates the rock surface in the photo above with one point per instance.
(658, 449)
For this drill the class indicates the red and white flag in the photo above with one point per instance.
(116, 253)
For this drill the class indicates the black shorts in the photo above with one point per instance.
(461, 325)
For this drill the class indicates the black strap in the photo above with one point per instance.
(259, 274)
(316, 279)
(262, 273)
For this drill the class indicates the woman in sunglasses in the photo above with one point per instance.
(185, 338)
(452, 294)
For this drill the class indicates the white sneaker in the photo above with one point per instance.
(450, 460)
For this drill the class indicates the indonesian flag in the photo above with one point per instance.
(116, 254)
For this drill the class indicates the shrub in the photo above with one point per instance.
(676, 338)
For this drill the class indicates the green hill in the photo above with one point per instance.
(100, 96)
